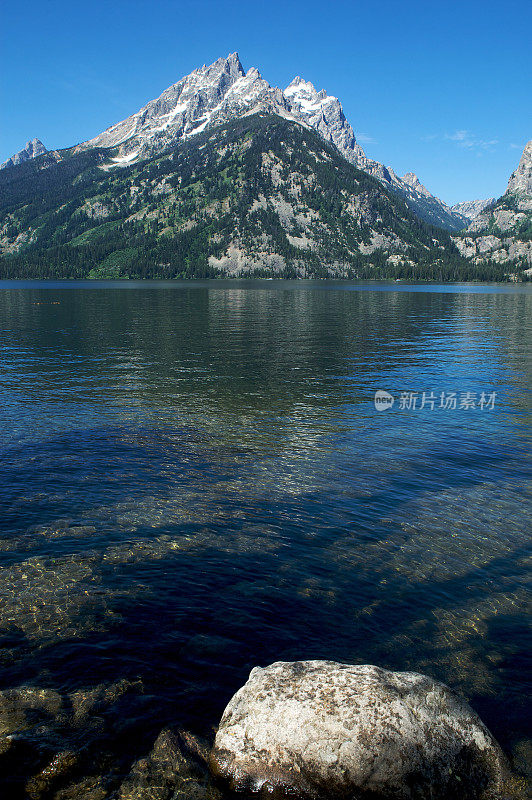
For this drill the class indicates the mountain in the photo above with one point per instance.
(472, 208)
(324, 113)
(424, 204)
(214, 94)
(225, 174)
(502, 232)
(254, 195)
(32, 150)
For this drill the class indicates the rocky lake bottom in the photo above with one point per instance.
(194, 481)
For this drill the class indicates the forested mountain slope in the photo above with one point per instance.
(259, 195)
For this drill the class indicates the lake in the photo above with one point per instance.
(195, 480)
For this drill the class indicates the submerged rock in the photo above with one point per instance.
(92, 787)
(25, 706)
(318, 729)
(59, 767)
(175, 769)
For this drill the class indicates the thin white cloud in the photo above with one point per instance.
(363, 138)
(464, 139)
(470, 141)
(458, 136)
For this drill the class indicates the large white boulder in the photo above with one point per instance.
(318, 729)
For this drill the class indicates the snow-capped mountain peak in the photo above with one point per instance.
(303, 94)
(324, 112)
(182, 110)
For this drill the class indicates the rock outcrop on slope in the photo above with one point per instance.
(33, 149)
(318, 729)
(214, 94)
(502, 233)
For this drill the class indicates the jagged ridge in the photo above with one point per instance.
(472, 208)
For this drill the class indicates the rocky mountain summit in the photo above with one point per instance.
(324, 113)
(211, 95)
(521, 179)
(422, 201)
(472, 208)
(207, 97)
(33, 149)
(502, 232)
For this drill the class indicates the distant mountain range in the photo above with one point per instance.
(472, 208)
(225, 174)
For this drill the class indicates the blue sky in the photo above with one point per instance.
(443, 89)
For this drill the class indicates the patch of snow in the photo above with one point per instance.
(308, 105)
(305, 96)
(122, 161)
(242, 90)
(177, 110)
(298, 85)
(170, 117)
(200, 128)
